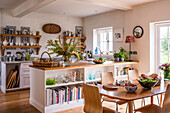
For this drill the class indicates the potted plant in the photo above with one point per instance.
(65, 49)
(123, 54)
(117, 57)
(166, 69)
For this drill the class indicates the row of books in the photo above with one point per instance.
(63, 94)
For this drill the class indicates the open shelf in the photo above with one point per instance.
(17, 88)
(21, 46)
(34, 36)
(4, 47)
(14, 35)
(96, 80)
(64, 84)
(81, 46)
(60, 107)
(76, 37)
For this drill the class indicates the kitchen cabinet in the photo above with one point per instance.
(24, 75)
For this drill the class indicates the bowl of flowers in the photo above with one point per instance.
(166, 70)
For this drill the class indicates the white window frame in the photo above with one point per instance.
(95, 37)
(155, 45)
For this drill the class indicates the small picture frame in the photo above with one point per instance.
(118, 34)
(79, 31)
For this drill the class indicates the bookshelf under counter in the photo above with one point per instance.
(39, 89)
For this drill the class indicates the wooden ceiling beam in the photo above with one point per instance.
(29, 6)
(115, 4)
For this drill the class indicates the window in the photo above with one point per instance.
(103, 40)
(163, 33)
(159, 45)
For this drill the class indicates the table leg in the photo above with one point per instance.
(130, 106)
(151, 99)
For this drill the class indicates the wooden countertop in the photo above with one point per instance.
(85, 64)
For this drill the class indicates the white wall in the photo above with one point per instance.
(36, 20)
(141, 15)
(113, 19)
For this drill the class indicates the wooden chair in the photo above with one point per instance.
(166, 103)
(152, 108)
(92, 100)
(107, 78)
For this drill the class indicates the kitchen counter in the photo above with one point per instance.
(83, 64)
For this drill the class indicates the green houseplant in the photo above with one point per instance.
(123, 54)
(66, 49)
(117, 56)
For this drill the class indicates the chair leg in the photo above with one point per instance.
(117, 108)
(127, 108)
(158, 99)
(144, 101)
(134, 104)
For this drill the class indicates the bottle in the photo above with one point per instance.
(96, 51)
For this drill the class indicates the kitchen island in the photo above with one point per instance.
(86, 72)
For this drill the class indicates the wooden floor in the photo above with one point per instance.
(18, 102)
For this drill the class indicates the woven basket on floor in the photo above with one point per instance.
(45, 64)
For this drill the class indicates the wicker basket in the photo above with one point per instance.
(45, 64)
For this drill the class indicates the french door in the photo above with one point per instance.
(163, 43)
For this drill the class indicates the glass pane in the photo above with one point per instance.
(164, 57)
(164, 45)
(163, 32)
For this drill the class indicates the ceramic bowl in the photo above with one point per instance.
(148, 83)
(131, 89)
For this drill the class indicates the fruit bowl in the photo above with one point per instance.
(100, 61)
(148, 83)
(131, 88)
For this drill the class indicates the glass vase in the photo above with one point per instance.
(67, 61)
(166, 75)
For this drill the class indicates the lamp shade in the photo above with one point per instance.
(130, 39)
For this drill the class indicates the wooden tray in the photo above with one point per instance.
(110, 87)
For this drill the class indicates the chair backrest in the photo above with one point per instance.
(92, 99)
(107, 78)
(166, 103)
(133, 75)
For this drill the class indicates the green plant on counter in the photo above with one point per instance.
(116, 55)
(124, 54)
(50, 81)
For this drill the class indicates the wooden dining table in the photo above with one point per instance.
(122, 94)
